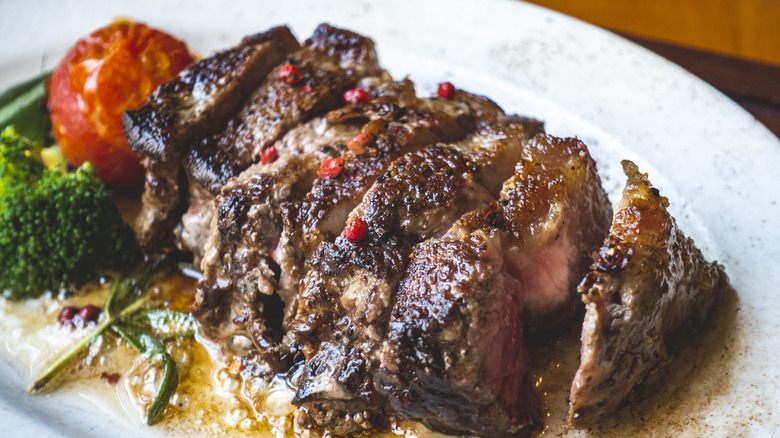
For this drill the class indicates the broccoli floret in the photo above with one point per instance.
(57, 231)
(20, 161)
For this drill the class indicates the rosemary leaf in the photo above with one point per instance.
(154, 349)
(23, 106)
(168, 387)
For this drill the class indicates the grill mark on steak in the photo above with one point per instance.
(454, 357)
(331, 61)
(646, 282)
(345, 297)
(198, 101)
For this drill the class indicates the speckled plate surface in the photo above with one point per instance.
(717, 164)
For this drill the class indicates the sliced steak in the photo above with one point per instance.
(647, 281)
(242, 256)
(330, 62)
(346, 296)
(455, 356)
(197, 102)
(322, 214)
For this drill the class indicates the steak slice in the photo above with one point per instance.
(455, 357)
(647, 281)
(330, 62)
(205, 95)
(197, 102)
(346, 296)
(555, 214)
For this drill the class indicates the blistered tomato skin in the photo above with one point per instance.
(106, 73)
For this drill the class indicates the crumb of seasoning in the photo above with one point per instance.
(111, 378)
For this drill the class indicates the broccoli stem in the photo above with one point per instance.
(72, 353)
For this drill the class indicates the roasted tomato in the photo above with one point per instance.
(107, 72)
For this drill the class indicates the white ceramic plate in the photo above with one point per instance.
(712, 159)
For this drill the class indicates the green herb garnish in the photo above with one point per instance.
(144, 327)
(23, 106)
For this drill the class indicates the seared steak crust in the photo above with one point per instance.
(197, 102)
(455, 356)
(646, 282)
(205, 95)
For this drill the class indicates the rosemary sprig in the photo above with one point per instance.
(144, 328)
